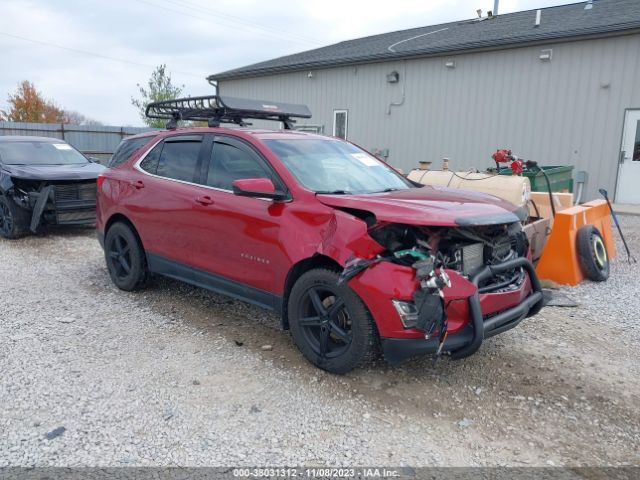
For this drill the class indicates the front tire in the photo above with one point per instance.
(125, 258)
(14, 221)
(330, 324)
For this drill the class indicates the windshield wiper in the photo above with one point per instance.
(334, 192)
(387, 190)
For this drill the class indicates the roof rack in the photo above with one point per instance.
(215, 110)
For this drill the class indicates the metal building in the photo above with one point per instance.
(558, 85)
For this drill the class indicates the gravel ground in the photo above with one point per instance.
(174, 375)
(616, 303)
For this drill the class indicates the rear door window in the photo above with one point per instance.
(179, 158)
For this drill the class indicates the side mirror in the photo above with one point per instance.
(93, 159)
(257, 187)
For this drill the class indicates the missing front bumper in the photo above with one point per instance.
(64, 204)
(466, 342)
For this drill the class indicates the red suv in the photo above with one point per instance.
(355, 257)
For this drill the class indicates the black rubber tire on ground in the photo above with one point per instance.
(592, 253)
(351, 337)
(125, 258)
(14, 220)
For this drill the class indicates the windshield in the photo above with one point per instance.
(334, 166)
(39, 153)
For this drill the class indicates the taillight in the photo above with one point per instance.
(100, 181)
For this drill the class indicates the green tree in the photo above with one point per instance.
(158, 88)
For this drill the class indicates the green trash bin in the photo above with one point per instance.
(560, 178)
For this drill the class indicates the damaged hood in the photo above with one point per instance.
(431, 206)
(84, 171)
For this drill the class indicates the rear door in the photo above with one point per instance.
(244, 242)
(164, 193)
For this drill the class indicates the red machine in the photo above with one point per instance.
(504, 155)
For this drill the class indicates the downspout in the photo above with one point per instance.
(404, 92)
(214, 84)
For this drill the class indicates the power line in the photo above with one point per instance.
(187, 14)
(271, 31)
(240, 20)
(195, 7)
(94, 54)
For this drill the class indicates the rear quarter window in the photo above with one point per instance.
(150, 162)
(127, 148)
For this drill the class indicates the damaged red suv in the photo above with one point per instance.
(356, 258)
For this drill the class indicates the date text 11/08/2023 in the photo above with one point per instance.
(291, 472)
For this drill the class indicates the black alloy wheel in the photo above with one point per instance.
(125, 257)
(6, 220)
(330, 324)
(14, 220)
(325, 322)
(120, 257)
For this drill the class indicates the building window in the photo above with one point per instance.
(340, 123)
(309, 128)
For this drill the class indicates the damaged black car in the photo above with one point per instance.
(44, 181)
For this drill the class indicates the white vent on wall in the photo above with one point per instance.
(546, 54)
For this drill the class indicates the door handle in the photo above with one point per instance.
(204, 200)
(137, 184)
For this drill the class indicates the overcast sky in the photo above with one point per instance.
(194, 38)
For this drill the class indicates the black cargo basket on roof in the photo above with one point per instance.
(215, 110)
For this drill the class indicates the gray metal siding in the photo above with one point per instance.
(96, 141)
(553, 112)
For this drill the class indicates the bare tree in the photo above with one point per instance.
(76, 118)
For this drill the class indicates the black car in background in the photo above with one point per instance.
(44, 181)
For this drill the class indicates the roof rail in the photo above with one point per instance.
(215, 110)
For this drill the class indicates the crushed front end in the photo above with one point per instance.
(59, 202)
(443, 290)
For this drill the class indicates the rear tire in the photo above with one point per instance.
(330, 324)
(592, 253)
(125, 258)
(14, 220)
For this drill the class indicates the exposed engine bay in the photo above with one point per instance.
(464, 249)
(430, 251)
(55, 202)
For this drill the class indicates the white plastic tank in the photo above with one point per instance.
(511, 188)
